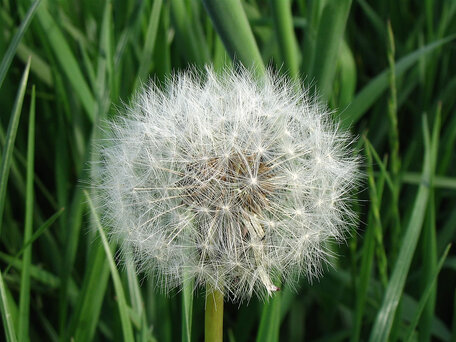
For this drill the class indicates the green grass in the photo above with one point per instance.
(387, 70)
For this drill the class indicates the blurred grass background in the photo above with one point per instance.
(388, 70)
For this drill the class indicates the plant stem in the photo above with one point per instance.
(214, 315)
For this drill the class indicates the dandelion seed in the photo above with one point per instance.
(225, 179)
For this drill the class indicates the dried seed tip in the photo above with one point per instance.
(228, 180)
(275, 289)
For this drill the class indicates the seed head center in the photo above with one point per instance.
(233, 182)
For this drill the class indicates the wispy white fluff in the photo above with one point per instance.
(235, 182)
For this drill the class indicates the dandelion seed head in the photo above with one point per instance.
(226, 179)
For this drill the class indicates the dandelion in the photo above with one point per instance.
(235, 182)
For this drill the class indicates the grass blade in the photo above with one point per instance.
(382, 260)
(425, 296)
(283, 23)
(270, 320)
(122, 303)
(71, 243)
(372, 91)
(6, 315)
(230, 21)
(137, 302)
(39, 67)
(345, 83)
(329, 37)
(10, 138)
(367, 253)
(385, 315)
(9, 54)
(24, 299)
(90, 299)
(36, 235)
(36, 272)
(149, 43)
(394, 144)
(382, 166)
(67, 60)
(440, 331)
(429, 254)
(439, 181)
(105, 72)
(189, 33)
(373, 17)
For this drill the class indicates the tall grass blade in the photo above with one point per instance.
(90, 298)
(39, 67)
(10, 139)
(425, 297)
(36, 272)
(105, 62)
(375, 88)
(373, 17)
(269, 328)
(189, 33)
(230, 21)
(329, 37)
(382, 165)
(394, 144)
(67, 60)
(121, 302)
(6, 314)
(137, 302)
(36, 235)
(429, 254)
(24, 299)
(367, 260)
(385, 315)
(74, 222)
(9, 54)
(149, 43)
(448, 183)
(382, 260)
(347, 76)
(283, 23)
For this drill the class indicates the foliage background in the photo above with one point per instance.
(387, 68)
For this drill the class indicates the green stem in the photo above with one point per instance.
(214, 315)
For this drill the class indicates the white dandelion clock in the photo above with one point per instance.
(231, 181)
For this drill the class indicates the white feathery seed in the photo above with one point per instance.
(235, 182)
